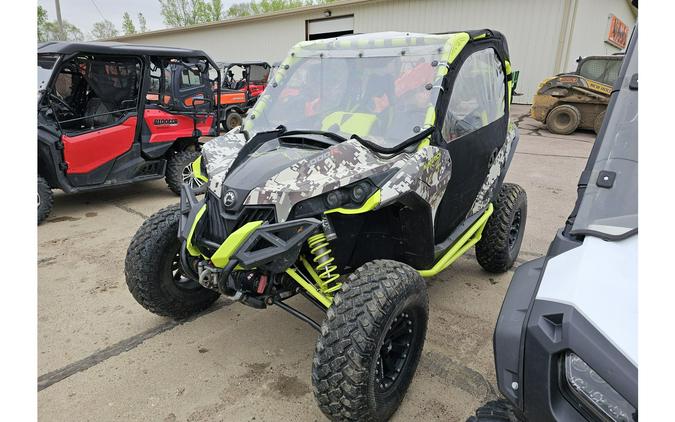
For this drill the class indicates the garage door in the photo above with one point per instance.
(330, 27)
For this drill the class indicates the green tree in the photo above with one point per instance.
(41, 22)
(265, 6)
(50, 31)
(127, 24)
(190, 12)
(104, 29)
(142, 24)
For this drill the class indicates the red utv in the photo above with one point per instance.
(247, 78)
(111, 114)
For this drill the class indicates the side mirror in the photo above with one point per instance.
(579, 59)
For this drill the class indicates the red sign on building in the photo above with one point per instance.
(618, 32)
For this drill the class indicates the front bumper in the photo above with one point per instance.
(256, 244)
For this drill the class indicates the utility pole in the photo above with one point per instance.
(62, 36)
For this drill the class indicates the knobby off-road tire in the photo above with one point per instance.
(153, 271)
(563, 119)
(376, 324)
(495, 411)
(179, 171)
(45, 199)
(503, 234)
(233, 120)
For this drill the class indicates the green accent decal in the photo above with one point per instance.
(467, 240)
(193, 250)
(197, 169)
(369, 205)
(358, 123)
(325, 301)
(232, 243)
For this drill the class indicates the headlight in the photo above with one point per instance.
(594, 391)
(351, 196)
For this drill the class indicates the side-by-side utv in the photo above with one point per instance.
(111, 114)
(369, 162)
(242, 84)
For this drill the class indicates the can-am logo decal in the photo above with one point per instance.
(166, 122)
(230, 198)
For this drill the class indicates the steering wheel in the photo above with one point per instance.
(62, 103)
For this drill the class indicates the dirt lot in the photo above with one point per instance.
(103, 357)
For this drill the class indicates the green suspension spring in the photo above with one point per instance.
(323, 264)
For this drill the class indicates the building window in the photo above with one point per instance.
(316, 29)
(478, 95)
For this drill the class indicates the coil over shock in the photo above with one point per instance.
(326, 271)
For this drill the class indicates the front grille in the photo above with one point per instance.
(217, 224)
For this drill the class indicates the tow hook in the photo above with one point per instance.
(208, 275)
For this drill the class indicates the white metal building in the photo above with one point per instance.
(545, 36)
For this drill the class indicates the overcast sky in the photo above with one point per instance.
(83, 13)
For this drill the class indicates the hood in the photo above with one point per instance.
(313, 175)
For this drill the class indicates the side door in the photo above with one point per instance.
(98, 117)
(474, 128)
(180, 99)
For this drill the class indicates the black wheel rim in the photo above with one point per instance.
(395, 351)
(180, 280)
(514, 232)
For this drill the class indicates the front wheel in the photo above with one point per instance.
(371, 342)
(563, 120)
(503, 234)
(233, 120)
(153, 271)
(179, 171)
(45, 199)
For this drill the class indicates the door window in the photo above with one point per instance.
(478, 95)
(93, 92)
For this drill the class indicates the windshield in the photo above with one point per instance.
(601, 70)
(612, 212)
(46, 63)
(381, 95)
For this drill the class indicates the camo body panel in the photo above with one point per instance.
(337, 166)
(486, 192)
(426, 172)
(219, 153)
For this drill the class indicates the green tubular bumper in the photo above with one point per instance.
(222, 255)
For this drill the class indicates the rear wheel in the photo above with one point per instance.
(563, 119)
(503, 234)
(45, 199)
(597, 123)
(179, 171)
(153, 271)
(233, 120)
(371, 342)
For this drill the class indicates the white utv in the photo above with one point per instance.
(565, 343)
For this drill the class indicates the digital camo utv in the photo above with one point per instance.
(368, 163)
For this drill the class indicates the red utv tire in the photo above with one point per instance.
(45, 199)
(233, 120)
(179, 171)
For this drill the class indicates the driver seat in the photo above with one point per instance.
(94, 107)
